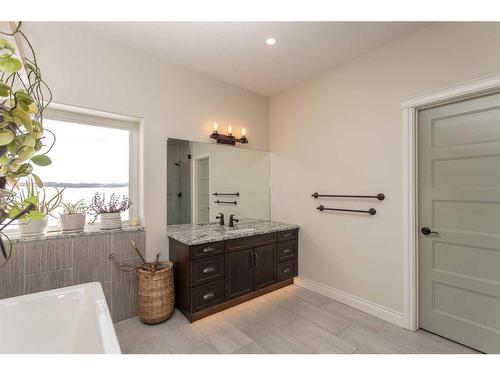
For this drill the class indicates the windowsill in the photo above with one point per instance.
(88, 231)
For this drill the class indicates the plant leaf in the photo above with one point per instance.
(38, 180)
(41, 160)
(10, 64)
(4, 89)
(14, 211)
(24, 170)
(35, 215)
(33, 200)
(5, 44)
(22, 118)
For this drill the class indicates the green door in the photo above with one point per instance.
(459, 198)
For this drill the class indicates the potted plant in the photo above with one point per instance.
(72, 220)
(34, 222)
(110, 211)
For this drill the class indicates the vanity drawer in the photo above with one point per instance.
(207, 249)
(287, 250)
(207, 295)
(287, 269)
(207, 269)
(287, 235)
(252, 241)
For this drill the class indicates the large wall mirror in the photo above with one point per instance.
(204, 179)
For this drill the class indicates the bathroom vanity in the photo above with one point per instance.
(215, 268)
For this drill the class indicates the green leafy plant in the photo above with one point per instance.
(32, 194)
(22, 102)
(24, 96)
(74, 208)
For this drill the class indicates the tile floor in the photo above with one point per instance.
(290, 320)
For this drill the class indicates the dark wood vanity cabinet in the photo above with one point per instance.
(214, 276)
(239, 279)
(264, 270)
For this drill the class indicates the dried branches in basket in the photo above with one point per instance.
(146, 266)
(155, 287)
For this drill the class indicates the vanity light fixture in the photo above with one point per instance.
(228, 139)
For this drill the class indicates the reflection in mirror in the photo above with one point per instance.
(205, 179)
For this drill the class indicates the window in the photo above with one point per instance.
(91, 154)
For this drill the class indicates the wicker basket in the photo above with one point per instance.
(156, 294)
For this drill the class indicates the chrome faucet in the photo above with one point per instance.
(232, 220)
(221, 218)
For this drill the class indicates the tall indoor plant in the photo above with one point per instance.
(24, 96)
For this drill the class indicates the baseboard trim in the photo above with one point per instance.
(361, 304)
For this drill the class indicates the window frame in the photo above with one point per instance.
(106, 120)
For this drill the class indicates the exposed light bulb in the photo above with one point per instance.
(216, 126)
(243, 132)
(230, 129)
(270, 41)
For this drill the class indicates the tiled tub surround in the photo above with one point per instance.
(195, 234)
(58, 260)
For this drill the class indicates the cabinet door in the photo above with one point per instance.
(239, 273)
(264, 266)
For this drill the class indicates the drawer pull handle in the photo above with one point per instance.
(208, 296)
(287, 251)
(208, 269)
(286, 235)
(208, 250)
(287, 270)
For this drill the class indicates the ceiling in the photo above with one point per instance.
(236, 52)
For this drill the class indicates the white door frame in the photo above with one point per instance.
(410, 108)
(194, 178)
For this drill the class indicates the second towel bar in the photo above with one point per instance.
(379, 196)
(226, 202)
(371, 211)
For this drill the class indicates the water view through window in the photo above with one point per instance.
(86, 159)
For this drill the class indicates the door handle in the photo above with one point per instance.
(426, 231)
(256, 259)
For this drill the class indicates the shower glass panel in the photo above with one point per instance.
(178, 182)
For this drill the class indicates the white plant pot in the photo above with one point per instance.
(72, 223)
(111, 221)
(33, 228)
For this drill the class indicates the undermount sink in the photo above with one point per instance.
(240, 231)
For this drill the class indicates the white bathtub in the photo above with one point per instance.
(75, 319)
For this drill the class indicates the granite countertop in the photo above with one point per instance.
(195, 234)
(89, 231)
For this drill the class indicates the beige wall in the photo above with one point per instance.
(341, 132)
(86, 71)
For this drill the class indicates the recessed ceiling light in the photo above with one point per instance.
(270, 41)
